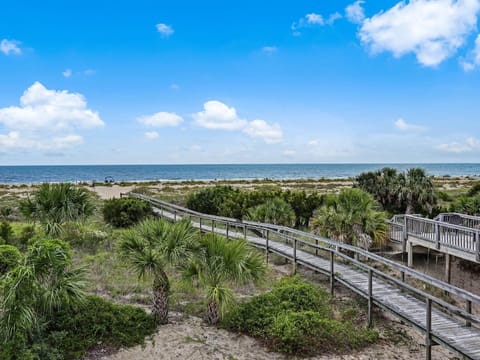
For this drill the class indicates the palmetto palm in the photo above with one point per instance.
(219, 263)
(54, 204)
(151, 247)
(43, 282)
(274, 211)
(417, 191)
(351, 217)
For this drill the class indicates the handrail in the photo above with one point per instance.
(332, 245)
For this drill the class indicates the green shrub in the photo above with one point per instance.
(100, 321)
(9, 258)
(125, 212)
(82, 235)
(25, 234)
(6, 232)
(308, 333)
(295, 318)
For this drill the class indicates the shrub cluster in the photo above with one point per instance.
(233, 202)
(125, 212)
(295, 318)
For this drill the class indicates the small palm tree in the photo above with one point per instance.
(274, 211)
(54, 204)
(417, 191)
(42, 283)
(150, 248)
(217, 265)
(352, 217)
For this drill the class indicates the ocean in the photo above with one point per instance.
(88, 173)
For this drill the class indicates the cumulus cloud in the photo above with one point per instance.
(470, 144)
(404, 126)
(355, 12)
(46, 119)
(151, 135)
(219, 116)
(473, 58)
(271, 134)
(313, 19)
(161, 119)
(165, 30)
(10, 47)
(432, 30)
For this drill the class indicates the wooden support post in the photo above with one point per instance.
(161, 212)
(266, 245)
(228, 225)
(213, 226)
(370, 291)
(405, 236)
(402, 276)
(477, 244)
(245, 231)
(448, 264)
(294, 256)
(469, 310)
(437, 235)
(428, 331)
(200, 220)
(316, 249)
(175, 215)
(332, 272)
(410, 254)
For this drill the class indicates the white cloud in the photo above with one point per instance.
(432, 30)
(67, 73)
(315, 19)
(289, 153)
(474, 57)
(217, 115)
(269, 50)
(10, 47)
(151, 135)
(161, 119)
(404, 126)
(271, 134)
(165, 30)
(333, 17)
(355, 12)
(46, 119)
(470, 144)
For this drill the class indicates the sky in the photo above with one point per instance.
(180, 82)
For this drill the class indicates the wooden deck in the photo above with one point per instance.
(441, 322)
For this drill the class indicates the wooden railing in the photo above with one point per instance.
(459, 219)
(302, 245)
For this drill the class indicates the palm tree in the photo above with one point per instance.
(42, 283)
(54, 204)
(417, 191)
(351, 217)
(153, 245)
(274, 211)
(218, 264)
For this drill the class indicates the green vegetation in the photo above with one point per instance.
(352, 217)
(152, 246)
(295, 317)
(410, 192)
(125, 212)
(274, 211)
(54, 204)
(9, 258)
(218, 263)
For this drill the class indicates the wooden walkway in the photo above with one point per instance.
(367, 274)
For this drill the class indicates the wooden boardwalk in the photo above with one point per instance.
(441, 322)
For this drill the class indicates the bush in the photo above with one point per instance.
(83, 235)
(125, 212)
(99, 321)
(9, 258)
(308, 333)
(294, 318)
(6, 232)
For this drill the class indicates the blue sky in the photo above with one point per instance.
(157, 82)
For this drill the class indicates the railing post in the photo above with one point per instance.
(245, 231)
(213, 226)
(428, 331)
(469, 310)
(370, 291)
(294, 255)
(332, 273)
(316, 249)
(437, 235)
(161, 211)
(266, 245)
(477, 245)
(228, 225)
(200, 220)
(405, 234)
(175, 215)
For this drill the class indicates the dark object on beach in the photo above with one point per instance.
(109, 180)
